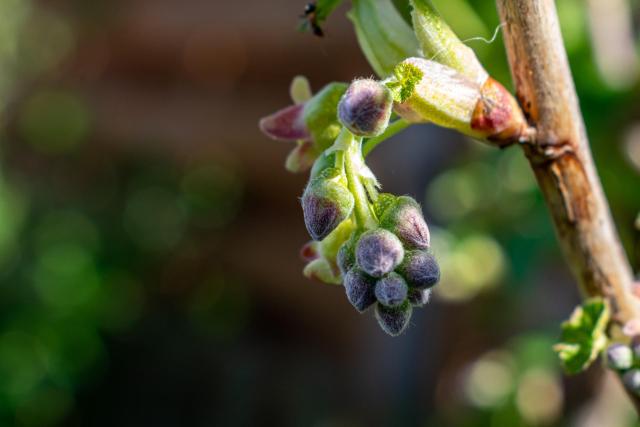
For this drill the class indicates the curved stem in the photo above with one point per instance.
(561, 158)
(353, 155)
(393, 128)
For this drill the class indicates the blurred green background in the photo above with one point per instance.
(149, 235)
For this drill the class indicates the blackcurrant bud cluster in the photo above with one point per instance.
(376, 245)
(390, 266)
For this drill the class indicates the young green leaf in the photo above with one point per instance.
(583, 335)
(384, 37)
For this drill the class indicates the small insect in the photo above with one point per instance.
(310, 16)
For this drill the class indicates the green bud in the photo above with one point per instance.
(384, 37)
(365, 108)
(326, 202)
(404, 218)
(393, 320)
(330, 245)
(320, 117)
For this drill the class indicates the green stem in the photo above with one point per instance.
(363, 215)
(393, 128)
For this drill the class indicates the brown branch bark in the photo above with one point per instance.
(560, 156)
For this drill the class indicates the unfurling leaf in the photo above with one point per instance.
(583, 335)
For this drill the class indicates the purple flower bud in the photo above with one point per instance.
(391, 290)
(619, 357)
(325, 204)
(419, 297)
(393, 320)
(404, 218)
(366, 107)
(359, 288)
(420, 269)
(379, 252)
(631, 380)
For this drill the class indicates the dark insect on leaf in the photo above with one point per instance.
(315, 13)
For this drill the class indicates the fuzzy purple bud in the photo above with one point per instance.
(393, 320)
(379, 252)
(365, 108)
(419, 297)
(360, 289)
(326, 202)
(420, 269)
(391, 290)
(404, 218)
(619, 357)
